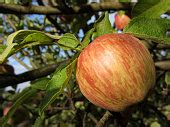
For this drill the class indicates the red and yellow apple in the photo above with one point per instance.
(115, 71)
(121, 20)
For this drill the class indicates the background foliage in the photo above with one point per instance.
(46, 37)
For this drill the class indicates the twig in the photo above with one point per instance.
(72, 104)
(11, 23)
(21, 62)
(53, 21)
(104, 119)
(57, 26)
(92, 118)
(84, 120)
(88, 8)
(163, 46)
(163, 65)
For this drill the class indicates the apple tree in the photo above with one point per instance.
(86, 63)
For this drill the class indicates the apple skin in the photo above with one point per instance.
(6, 110)
(115, 71)
(121, 21)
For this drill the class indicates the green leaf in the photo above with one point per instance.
(143, 5)
(37, 37)
(39, 121)
(11, 1)
(149, 25)
(1, 29)
(157, 10)
(20, 98)
(25, 38)
(102, 25)
(155, 124)
(69, 41)
(87, 38)
(19, 36)
(124, 0)
(40, 84)
(32, 40)
(57, 84)
(2, 48)
(149, 28)
(167, 78)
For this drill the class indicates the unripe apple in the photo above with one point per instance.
(115, 71)
(121, 20)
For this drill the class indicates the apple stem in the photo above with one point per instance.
(122, 118)
(104, 119)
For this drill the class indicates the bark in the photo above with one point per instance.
(48, 10)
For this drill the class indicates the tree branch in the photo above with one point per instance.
(47, 10)
(57, 26)
(50, 18)
(163, 46)
(163, 65)
(21, 62)
(10, 80)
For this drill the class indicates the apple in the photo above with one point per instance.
(115, 71)
(6, 110)
(121, 20)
